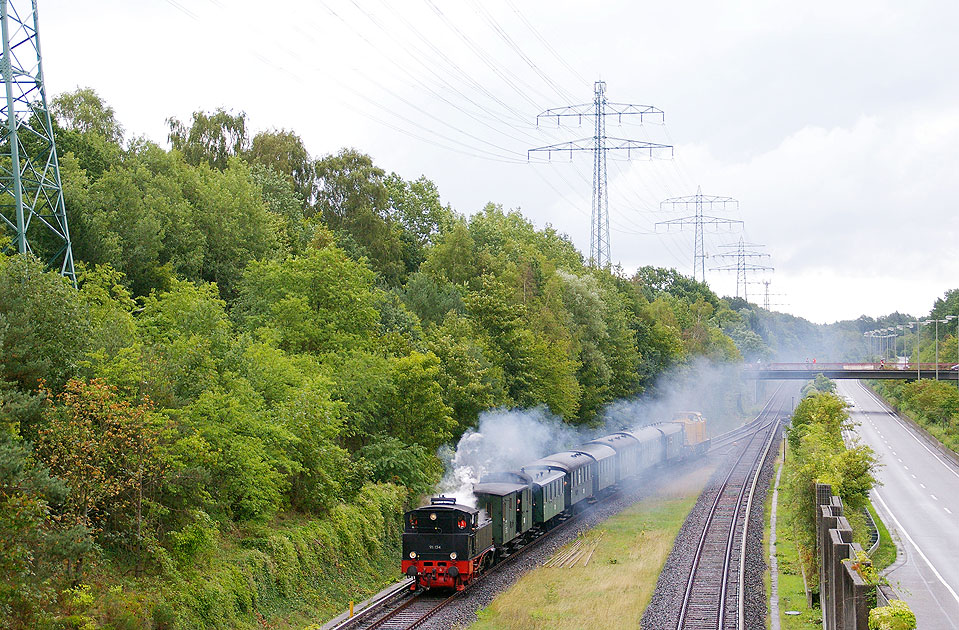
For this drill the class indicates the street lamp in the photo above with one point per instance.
(903, 329)
(918, 325)
(950, 318)
(938, 321)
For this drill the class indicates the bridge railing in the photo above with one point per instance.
(819, 367)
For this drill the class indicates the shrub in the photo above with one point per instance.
(896, 616)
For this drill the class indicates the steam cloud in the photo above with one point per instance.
(508, 439)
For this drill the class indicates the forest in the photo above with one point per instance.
(220, 426)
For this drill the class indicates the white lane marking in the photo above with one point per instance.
(934, 497)
(913, 542)
(923, 486)
(913, 476)
(906, 467)
(948, 511)
(908, 430)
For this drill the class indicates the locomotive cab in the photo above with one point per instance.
(445, 544)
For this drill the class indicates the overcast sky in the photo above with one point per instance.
(835, 124)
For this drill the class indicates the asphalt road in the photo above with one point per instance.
(919, 501)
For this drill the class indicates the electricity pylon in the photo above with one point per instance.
(31, 197)
(700, 221)
(600, 144)
(767, 295)
(741, 267)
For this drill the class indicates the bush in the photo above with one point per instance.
(895, 616)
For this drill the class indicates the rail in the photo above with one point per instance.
(698, 609)
(741, 608)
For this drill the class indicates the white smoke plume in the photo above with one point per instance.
(508, 439)
(505, 440)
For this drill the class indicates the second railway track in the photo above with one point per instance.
(713, 595)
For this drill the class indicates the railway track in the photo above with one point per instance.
(717, 572)
(402, 609)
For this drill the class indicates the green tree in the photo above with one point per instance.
(211, 138)
(471, 382)
(27, 558)
(284, 152)
(44, 325)
(354, 201)
(319, 302)
(86, 127)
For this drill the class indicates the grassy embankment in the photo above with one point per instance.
(792, 593)
(615, 587)
(293, 572)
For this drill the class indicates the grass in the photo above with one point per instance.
(885, 554)
(792, 592)
(614, 588)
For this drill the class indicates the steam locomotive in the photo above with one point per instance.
(447, 544)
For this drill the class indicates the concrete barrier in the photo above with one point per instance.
(843, 594)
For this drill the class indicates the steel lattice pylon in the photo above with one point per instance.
(741, 267)
(600, 144)
(700, 223)
(31, 196)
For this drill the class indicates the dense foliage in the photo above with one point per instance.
(264, 354)
(818, 454)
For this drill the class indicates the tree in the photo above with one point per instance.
(283, 151)
(86, 127)
(27, 559)
(44, 325)
(470, 381)
(211, 138)
(83, 111)
(353, 199)
(319, 302)
(105, 450)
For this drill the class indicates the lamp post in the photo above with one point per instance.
(918, 325)
(899, 327)
(938, 321)
(950, 318)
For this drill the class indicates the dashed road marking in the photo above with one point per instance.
(934, 497)
(948, 511)
(923, 486)
(921, 554)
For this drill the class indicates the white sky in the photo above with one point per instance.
(836, 125)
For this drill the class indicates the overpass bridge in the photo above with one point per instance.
(808, 371)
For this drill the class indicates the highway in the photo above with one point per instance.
(919, 501)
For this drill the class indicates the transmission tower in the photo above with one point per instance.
(700, 221)
(31, 197)
(767, 295)
(741, 266)
(600, 144)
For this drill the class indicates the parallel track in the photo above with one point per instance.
(716, 572)
(405, 610)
